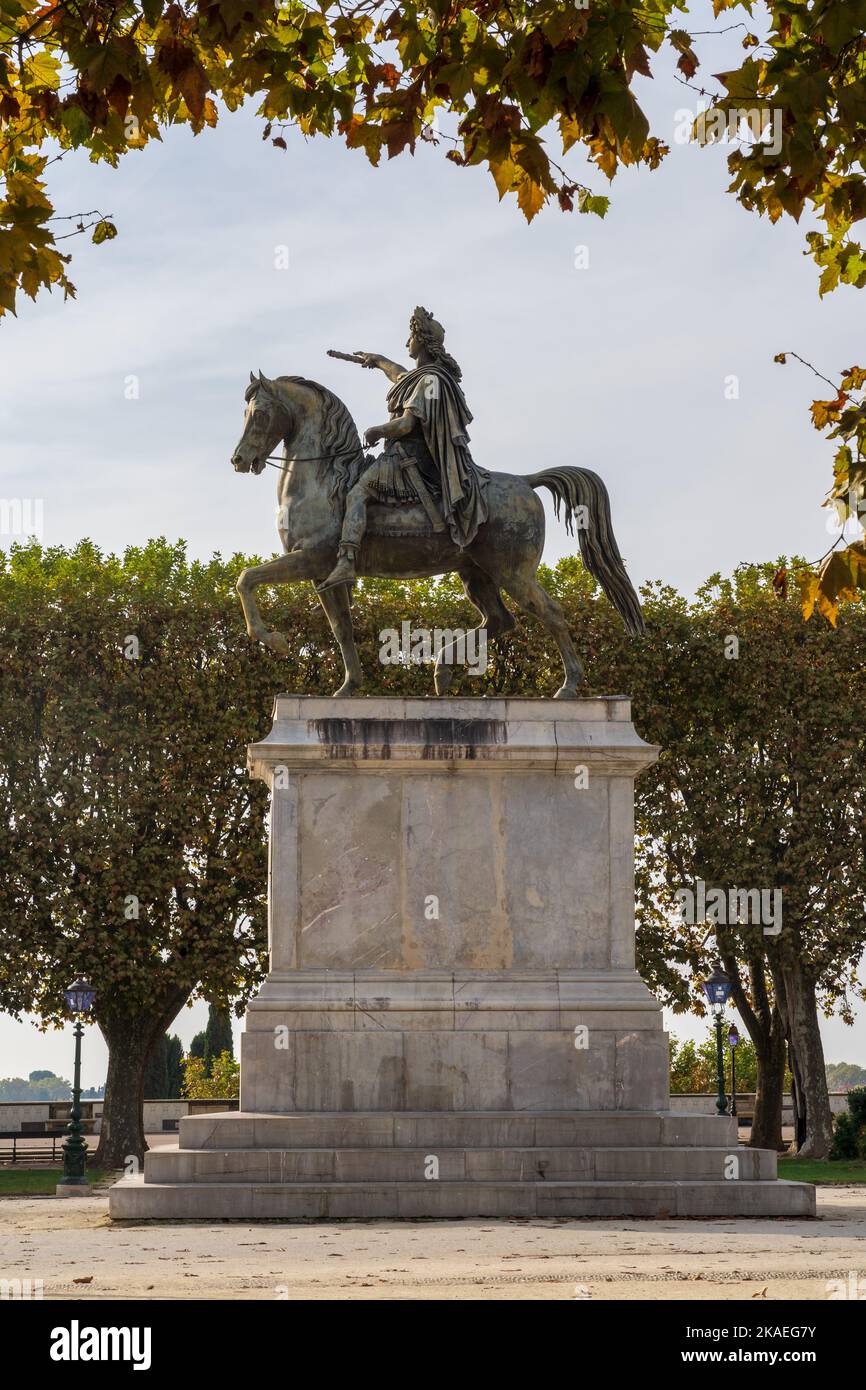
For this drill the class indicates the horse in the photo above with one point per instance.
(323, 458)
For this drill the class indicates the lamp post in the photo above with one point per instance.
(79, 999)
(733, 1040)
(717, 988)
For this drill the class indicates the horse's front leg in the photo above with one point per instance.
(286, 569)
(337, 603)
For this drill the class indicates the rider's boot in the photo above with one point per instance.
(351, 536)
(344, 570)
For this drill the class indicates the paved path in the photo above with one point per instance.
(61, 1241)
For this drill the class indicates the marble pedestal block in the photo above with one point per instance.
(452, 978)
(452, 910)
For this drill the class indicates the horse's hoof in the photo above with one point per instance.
(349, 686)
(566, 692)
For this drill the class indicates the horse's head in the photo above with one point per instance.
(266, 422)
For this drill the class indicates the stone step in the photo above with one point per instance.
(432, 1130)
(133, 1199)
(288, 1166)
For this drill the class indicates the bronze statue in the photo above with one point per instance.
(422, 508)
(426, 455)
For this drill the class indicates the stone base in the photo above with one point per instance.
(453, 1040)
(410, 1166)
(73, 1190)
(453, 1024)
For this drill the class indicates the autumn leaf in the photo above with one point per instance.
(530, 197)
(104, 231)
(505, 74)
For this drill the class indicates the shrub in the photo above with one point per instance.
(849, 1129)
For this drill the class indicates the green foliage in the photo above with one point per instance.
(215, 1039)
(849, 1128)
(811, 69)
(174, 1068)
(857, 1106)
(218, 1036)
(693, 1066)
(129, 694)
(110, 76)
(163, 1076)
(842, 1076)
(222, 1084)
(131, 776)
(840, 575)
(41, 1085)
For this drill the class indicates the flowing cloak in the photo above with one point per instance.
(434, 397)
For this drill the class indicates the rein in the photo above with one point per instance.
(312, 458)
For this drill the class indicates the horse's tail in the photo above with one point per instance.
(579, 488)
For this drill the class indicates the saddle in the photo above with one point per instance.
(400, 519)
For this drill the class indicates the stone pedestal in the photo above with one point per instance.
(453, 1023)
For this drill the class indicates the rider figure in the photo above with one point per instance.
(426, 453)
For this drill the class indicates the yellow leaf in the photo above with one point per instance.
(530, 197)
(503, 172)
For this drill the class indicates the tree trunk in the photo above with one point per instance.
(766, 1028)
(130, 1040)
(770, 1093)
(798, 1102)
(804, 1036)
(121, 1136)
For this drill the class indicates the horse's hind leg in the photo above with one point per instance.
(528, 593)
(337, 603)
(495, 620)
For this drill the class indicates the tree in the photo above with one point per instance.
(155, 1081)
(840, 575)
(215, 1039)
(218, 1036)
(174, 1068)
(40, 1085)
(126, 761)
(759, 787)
(222, 1083)
(843, 1076)
(163, 1074)
(694, 1066)
(129, 694)
(107, 76)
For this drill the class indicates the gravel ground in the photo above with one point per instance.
(75, 1250)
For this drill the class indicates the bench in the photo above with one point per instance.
(24, 1148)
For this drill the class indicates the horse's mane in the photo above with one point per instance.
(343, 458)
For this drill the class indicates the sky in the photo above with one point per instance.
(609, 344)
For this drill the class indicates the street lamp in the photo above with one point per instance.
(733, 1040)
(79, 1000)
(717, 989)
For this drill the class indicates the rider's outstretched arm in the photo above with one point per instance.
(392, 370)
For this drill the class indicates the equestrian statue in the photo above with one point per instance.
(422, 507)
